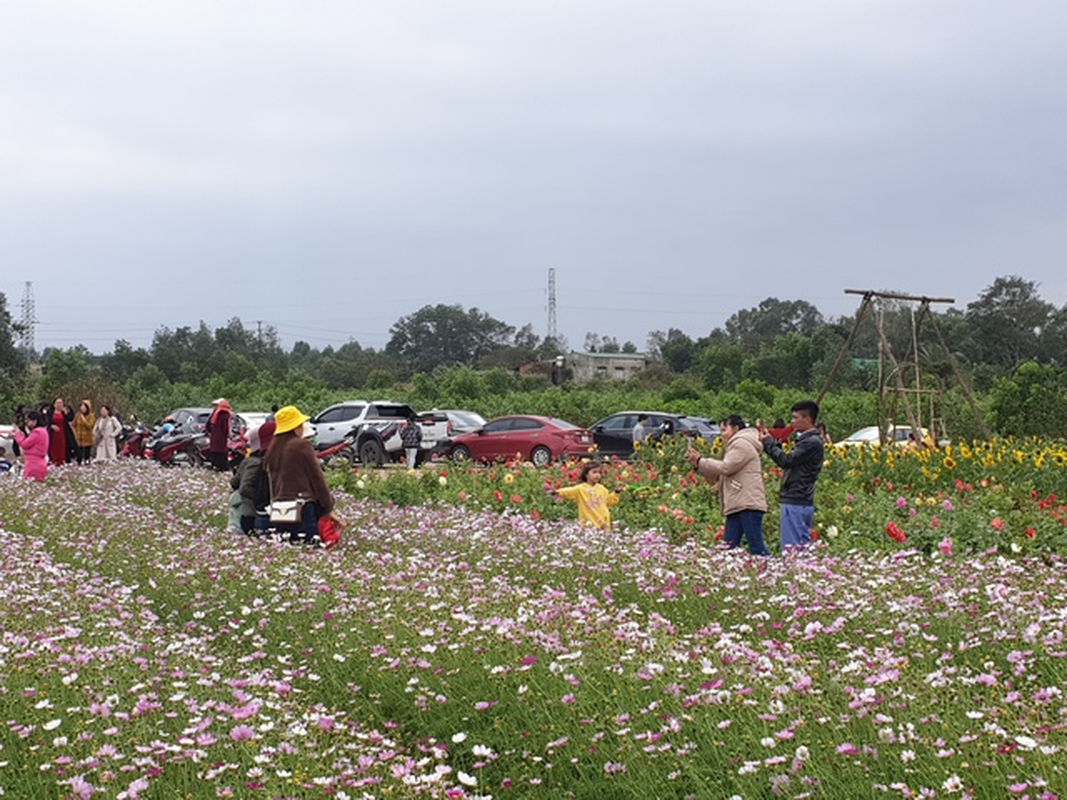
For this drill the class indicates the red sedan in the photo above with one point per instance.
(529, 438)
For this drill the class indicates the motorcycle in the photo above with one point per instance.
(133, 437)
(177, 446)
(182, 446)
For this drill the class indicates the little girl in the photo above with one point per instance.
(592, 498)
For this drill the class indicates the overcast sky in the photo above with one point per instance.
(329, 167)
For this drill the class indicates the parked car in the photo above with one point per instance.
(897, 436)
(253, 419)
(530, 438)
(614, 435)
(373, 429)
(7, 440)
(462, 421)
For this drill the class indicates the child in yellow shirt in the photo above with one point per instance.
(592, 497)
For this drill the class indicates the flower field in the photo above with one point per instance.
(485, 645)
(964, 498)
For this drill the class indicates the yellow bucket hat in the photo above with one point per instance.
(288, 419)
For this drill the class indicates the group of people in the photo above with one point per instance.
(56, 434)
(739, 477)
(739, 474)
(280, 484)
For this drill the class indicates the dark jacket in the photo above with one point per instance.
(244, 480)
(411, 434)
(802, 465)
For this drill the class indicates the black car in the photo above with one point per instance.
(614, 435)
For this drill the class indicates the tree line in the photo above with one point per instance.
(781, 344)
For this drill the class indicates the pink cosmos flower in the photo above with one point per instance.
(242, 733)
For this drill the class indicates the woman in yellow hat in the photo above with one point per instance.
(296, 475)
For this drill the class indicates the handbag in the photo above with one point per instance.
(286, 511)
(329, 535)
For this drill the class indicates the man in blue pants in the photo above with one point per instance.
(802, 465)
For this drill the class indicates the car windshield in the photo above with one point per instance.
(700, 425)
(468, 418)
(869, 434)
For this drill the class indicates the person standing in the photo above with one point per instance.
(642, 430)
(802, 465)
(60, 436)
(34, 442)
(105, 435)
(82, 425)
(411, 438)
(739, 475)
(218, 431)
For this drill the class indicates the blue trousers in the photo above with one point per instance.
(749, 523)
(796, 526)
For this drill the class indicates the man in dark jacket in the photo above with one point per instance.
(802, 465)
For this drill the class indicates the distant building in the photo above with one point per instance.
(617, 366)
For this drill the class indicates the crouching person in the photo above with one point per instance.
(247, 477)
(299, 495)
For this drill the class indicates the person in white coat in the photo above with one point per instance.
(105, 433)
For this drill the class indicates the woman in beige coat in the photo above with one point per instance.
(740, 481)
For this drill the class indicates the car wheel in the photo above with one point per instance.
(371, 453)
(541, 456)
(460, 454)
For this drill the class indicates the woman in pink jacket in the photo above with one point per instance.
(34, 444)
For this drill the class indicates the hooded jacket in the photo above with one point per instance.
(739, 473)
(82, 425)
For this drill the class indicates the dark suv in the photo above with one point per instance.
(614, 435)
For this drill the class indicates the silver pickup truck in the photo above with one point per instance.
(372, 430)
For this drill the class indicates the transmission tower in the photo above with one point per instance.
(553, 333)
(29, 319)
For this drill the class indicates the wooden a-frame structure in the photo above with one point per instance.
(885, 352)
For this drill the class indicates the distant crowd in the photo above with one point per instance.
(57, 434)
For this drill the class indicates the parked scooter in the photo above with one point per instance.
(182, 446)
(175, 446)
(133, 437)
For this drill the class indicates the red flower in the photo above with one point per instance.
(516, 498)
(1030, 533)
(498, 496)
(895, 533)
(997, 524)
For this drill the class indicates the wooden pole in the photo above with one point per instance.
(846, 347)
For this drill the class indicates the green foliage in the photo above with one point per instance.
(1032, 402)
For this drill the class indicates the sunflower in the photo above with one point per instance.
(949, 462)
